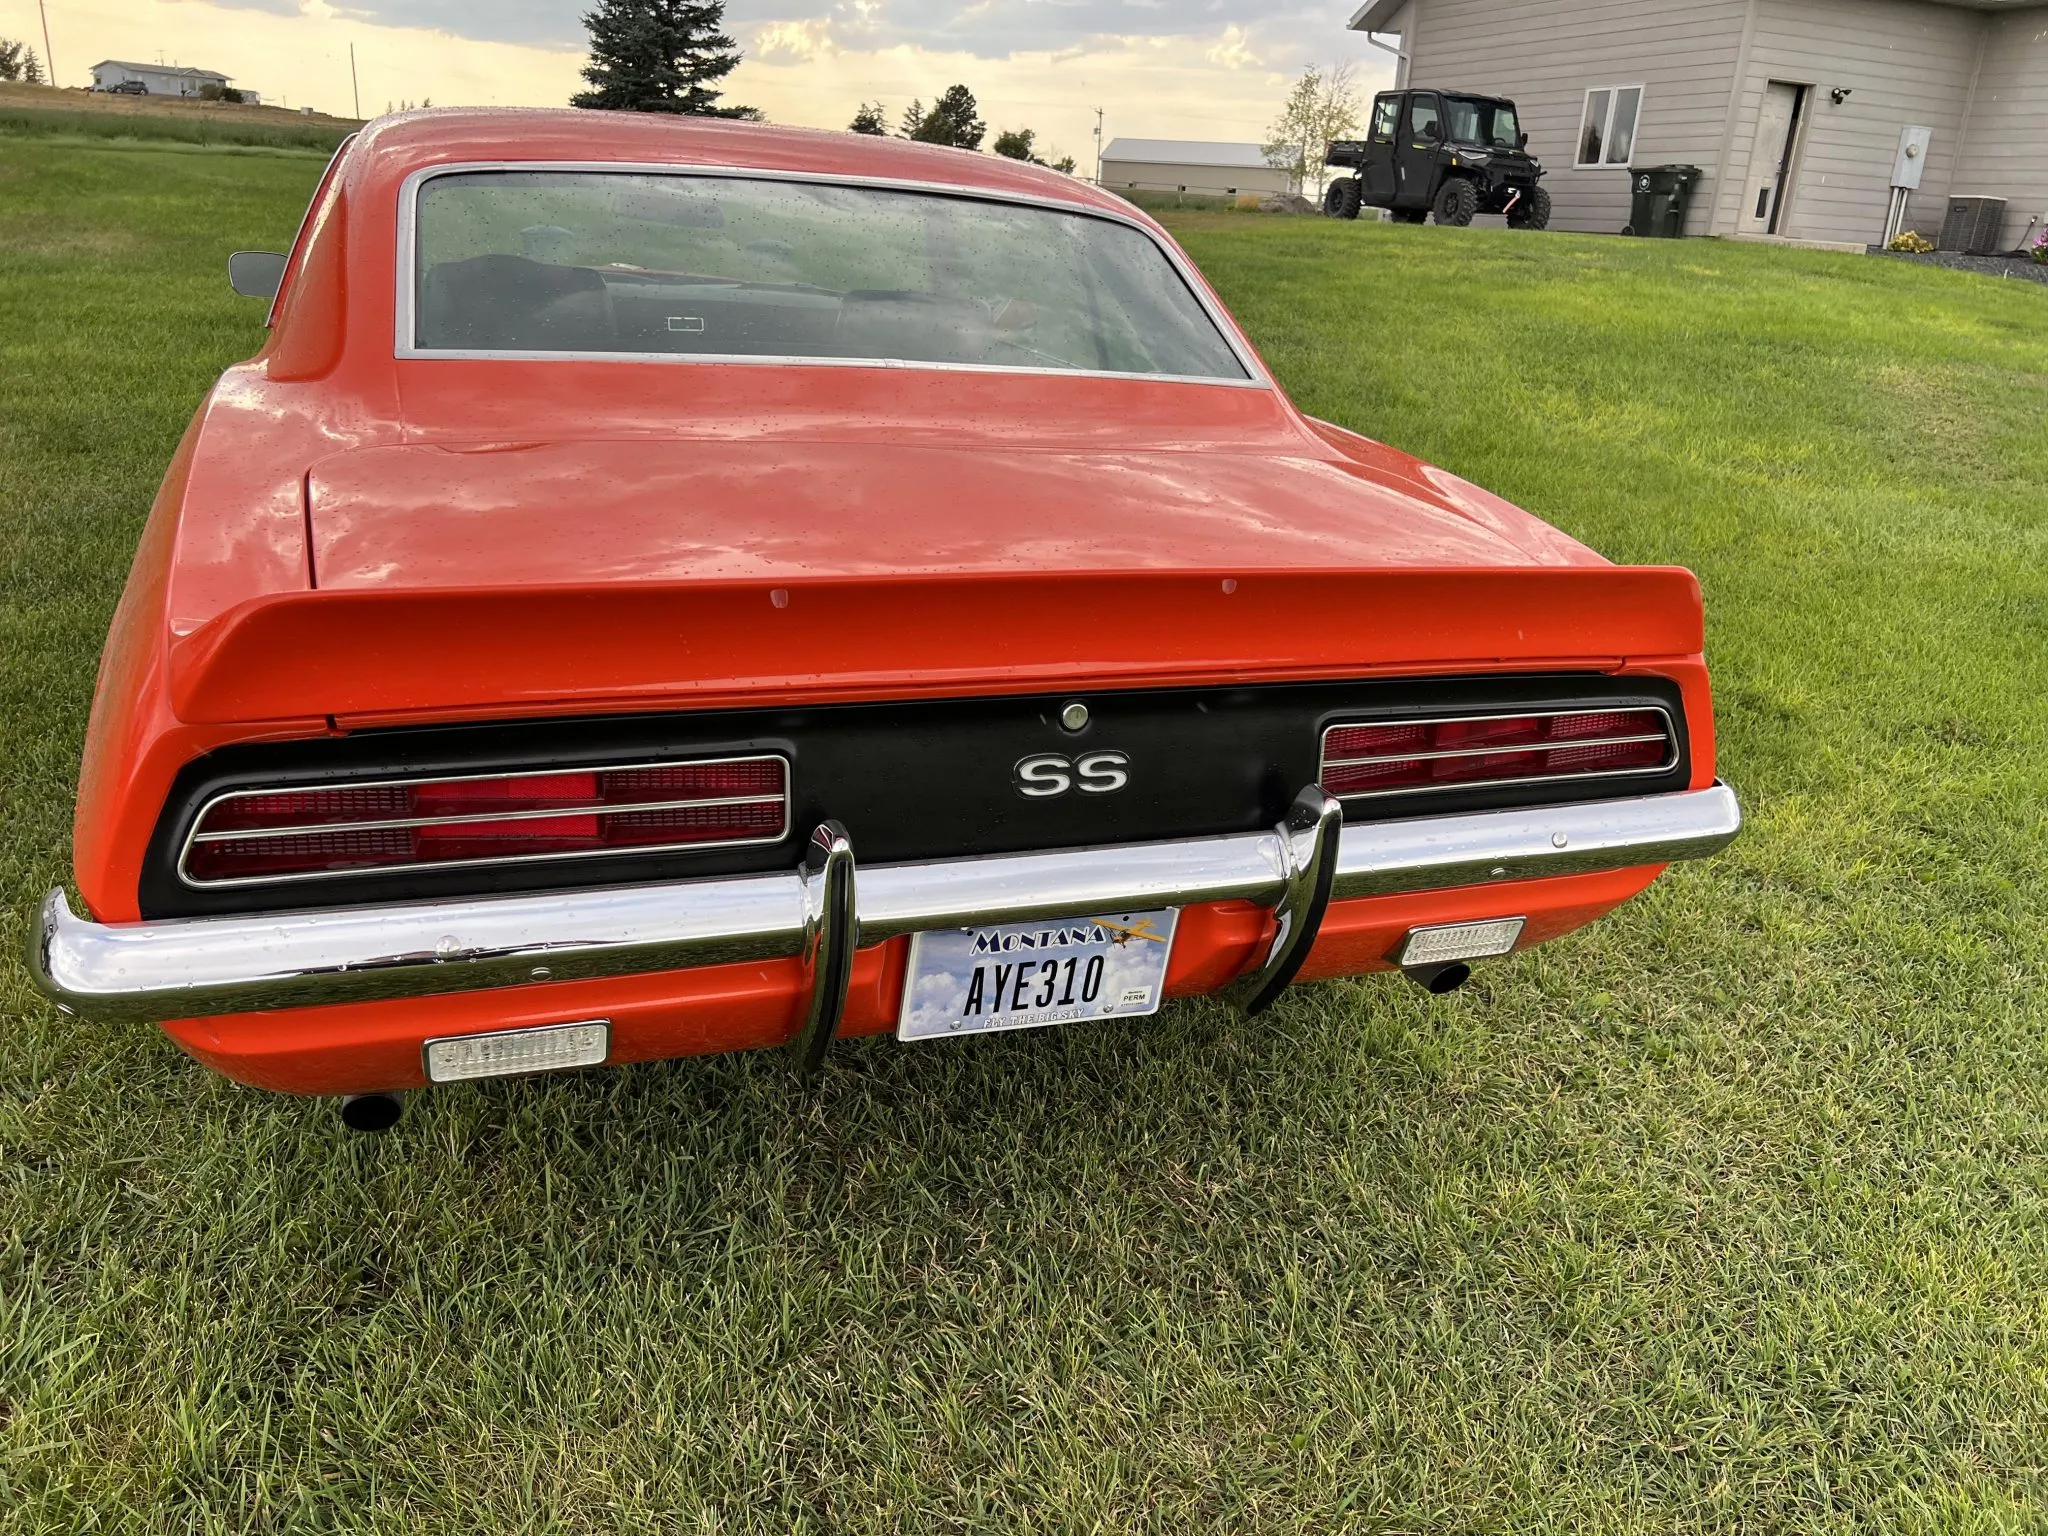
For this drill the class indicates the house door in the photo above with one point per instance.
(1770, 162)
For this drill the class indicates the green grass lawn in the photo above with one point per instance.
(1729, 1213)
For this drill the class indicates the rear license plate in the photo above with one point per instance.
(966, 981)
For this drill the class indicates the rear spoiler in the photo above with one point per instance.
(429, 653)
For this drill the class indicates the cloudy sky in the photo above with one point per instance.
(1205, 69)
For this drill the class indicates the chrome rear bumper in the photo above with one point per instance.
(199, 967)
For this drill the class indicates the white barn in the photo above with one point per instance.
(1189, 165)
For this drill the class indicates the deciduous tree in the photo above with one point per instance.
(1022, 144)
(1321, 107)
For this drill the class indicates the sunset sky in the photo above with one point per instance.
(1205, 69)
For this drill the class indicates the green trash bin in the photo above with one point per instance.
(1661, 194)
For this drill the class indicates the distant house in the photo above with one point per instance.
(157, 79)
(1188, 165)
(1797, 111)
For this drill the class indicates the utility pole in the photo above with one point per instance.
(49, 62)
(354, 89)
(1098, 146)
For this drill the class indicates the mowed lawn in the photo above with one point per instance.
(1729, 1213)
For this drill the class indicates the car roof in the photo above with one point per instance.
(417, 140)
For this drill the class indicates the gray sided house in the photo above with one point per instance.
(1188, 165)
(157, 79)
(1793, 109)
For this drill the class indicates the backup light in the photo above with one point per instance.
(1446, 942)
(1410, 756)
(264, 835)
(518, 1052)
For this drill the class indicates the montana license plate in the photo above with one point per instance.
(966, 981)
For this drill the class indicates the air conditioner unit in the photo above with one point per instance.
(1973, 225)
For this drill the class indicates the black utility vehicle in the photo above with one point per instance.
(1450, 153)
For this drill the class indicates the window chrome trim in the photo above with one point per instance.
(194, 836)
(405, 278)
(1324, 762)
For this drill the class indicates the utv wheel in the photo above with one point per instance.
(1457, 202)
(1533, 211)
(1340, 199)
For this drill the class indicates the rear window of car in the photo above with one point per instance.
(612, 263)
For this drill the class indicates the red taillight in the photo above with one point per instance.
(279, 834)
(1412, 755)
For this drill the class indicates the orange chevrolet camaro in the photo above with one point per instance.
(672, 586)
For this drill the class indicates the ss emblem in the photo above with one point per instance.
(1093, 773)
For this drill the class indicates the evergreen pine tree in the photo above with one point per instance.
(952, 120)
(868, 120)
(18, 62)
(659, 56)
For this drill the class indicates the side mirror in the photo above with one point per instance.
(1522, 139)
(1434, 132)
(256, 274)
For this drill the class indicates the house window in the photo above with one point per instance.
(1607, 131)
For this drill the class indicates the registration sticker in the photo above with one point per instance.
(966, 981)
